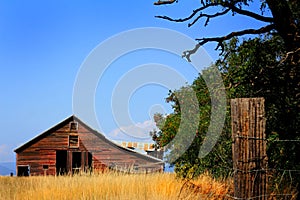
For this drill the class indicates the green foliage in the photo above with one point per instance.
(251, 68)
(256, 68)
(262, 66)
(189, 164)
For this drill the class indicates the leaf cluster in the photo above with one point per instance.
(189, 164)
(255, 68)
(250, 68)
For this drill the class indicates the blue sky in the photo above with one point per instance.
(44, 43)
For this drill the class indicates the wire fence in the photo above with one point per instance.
(281, 183)
(253, 179)
(251, 174)
(283, 188)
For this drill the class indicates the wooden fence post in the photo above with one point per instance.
(249, 148)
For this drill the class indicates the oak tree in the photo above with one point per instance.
(264, 65)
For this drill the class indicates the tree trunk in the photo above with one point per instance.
(285, 23)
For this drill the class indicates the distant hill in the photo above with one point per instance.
(7, 167)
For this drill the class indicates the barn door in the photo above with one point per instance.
(23, 170)
(61, 162)
(87, 161)
(76, 161)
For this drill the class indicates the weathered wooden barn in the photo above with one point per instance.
(72, 146)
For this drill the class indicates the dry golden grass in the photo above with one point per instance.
(111, 186)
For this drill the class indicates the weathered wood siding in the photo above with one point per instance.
(41, 151)
(112, 155)
(249, 148)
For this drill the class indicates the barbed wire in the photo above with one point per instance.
(259, 197)
(257, 170)
(264, 139)
(283, 187)
(277, 140)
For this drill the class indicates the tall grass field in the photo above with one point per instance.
(161, 186)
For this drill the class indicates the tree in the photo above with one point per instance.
(266, 66)
(189, 164)
(253, 69)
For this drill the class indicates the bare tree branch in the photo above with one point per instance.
(247, 13)
(208, 17)
(189, 17)
(159, 2)
(227, 5)
(187, 54)
(290, 56)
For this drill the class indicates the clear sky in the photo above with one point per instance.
(44, 43)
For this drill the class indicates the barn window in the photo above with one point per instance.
(73, 126)
(45, 167)
(73, 141)
(135, 167)
(23, 170)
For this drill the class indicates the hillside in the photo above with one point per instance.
(7, 167)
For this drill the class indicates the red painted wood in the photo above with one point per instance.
(42, 151)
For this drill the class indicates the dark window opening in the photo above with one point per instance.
(73, 126)
(61, 162)
(136, 167)
(76, 162)
(90, 160)
(73, 141)
(45, 167)
(23, 171)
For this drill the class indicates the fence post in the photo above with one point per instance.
(249, 148)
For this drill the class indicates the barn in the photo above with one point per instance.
(72, 146)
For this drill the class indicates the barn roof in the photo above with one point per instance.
(101, 136)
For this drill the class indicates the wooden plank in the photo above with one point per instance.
(249, 148)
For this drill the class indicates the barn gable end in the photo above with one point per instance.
(72, 146)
